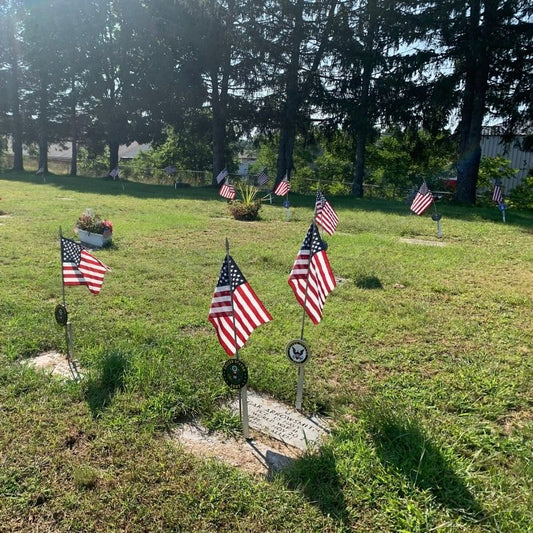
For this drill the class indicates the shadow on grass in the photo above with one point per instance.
(105, 186)
(109, 378)
(368, 282)
(403, 446)
(315, 475)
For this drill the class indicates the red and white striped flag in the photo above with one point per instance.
(422, 200)
(497, 195)
(80, 267)
(325, 215)
(311, 277)
(283, 187)
(227, 191)
(235, 308)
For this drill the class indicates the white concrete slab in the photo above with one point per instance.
(282, 422)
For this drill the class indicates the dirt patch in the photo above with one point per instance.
(56, 364)
(515, 421)
(423, 242)
(260, 455)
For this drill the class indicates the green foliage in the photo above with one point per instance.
(492, 168)
(84, 477)
(421, 362)
(401, 159)
(93, 162)
(92, 222)
(522, 196)
(181, 150)
(246, 207)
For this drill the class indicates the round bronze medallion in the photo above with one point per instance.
(61, 314)
(235, 373)
(436, 217)
(298, 351)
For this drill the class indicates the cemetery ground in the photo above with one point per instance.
(422, 363)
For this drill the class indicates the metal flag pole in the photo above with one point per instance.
(301, 367)
(436, 217)
(68, 326)
(243, 391)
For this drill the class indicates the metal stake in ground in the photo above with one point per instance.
(436, 216)
(301, 367)
(61, 312)
(243, 391)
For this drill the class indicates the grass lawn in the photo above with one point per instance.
(423, 361)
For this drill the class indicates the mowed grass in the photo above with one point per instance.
(422, 360)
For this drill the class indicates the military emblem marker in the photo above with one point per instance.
(235, 373)
(298, 351)
(61, 314)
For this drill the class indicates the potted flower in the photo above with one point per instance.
(247, 207)
(93, 230)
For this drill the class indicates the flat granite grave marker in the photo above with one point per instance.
(281, 422)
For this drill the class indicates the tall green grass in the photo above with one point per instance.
(422, 361)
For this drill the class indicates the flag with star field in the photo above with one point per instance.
(79, 267)
(325, 215)
(235, 308)
(311, 277)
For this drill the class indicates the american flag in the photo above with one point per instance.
(235, 308)
(222, 174)
(325, 215)
(422, 200)
(262, 178)
(80, 267)
(227, 191)
(497, 195)
(311, 277)
(283, 187)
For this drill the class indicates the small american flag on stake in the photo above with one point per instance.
(222, 174)
(79, 267)
(422, 200)
(497, 195)
(325, 215)
(235, 308)
(227, 191)
(262, 178)
(311, 277)
(283, 187)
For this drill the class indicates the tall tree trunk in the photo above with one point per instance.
(363, 114)
(113, 154)
(218, 128)
(289, 117)
(473, 107)
(14, 95)
(359, 172)
(74, 158)
(42, 122)
(73, 129)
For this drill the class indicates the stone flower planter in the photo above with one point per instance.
(93, 239)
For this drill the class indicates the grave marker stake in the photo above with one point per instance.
(301, 368)
(69, 338)
(243, 391)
